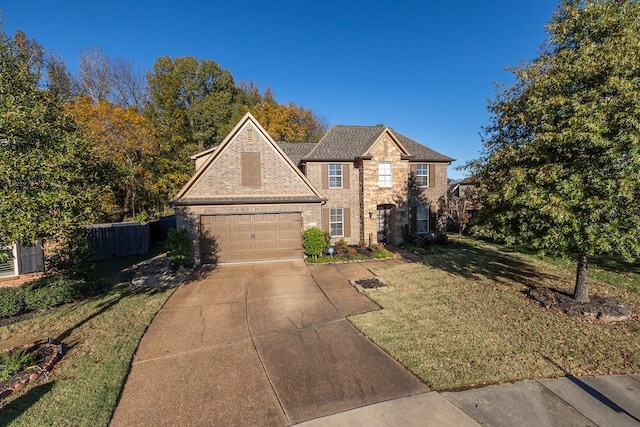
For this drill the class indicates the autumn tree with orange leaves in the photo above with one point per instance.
(125, 139)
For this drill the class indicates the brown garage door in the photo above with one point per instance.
(254, 237)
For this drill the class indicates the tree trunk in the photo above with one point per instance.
(581, 292)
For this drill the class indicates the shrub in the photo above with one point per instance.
(374, 247)
(407, 235)
(342, 248)
(74, 255)
(382, 253)
(11, 301)
(12, 362)
(178, 247)
(314, 241)
(51, 292)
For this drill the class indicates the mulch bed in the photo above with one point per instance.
(46, 355)
(371, 283)
(608, 309)
(368, 283)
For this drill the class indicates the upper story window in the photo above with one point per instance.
(335, 176)
(422, 175)
(385, 176)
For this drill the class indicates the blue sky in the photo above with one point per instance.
(424, 68)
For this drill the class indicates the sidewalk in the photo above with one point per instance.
(570, 401)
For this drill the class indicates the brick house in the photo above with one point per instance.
(250, 197)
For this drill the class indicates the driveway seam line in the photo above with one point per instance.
(253, 342)
(325, 294)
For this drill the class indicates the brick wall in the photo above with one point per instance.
(11, 281)
(340, 197)
(384, 150)
(398, 194)
(225, 179)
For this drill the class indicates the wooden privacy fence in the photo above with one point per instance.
(127, 238)
(119, 239)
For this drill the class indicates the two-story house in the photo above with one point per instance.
(250, 197)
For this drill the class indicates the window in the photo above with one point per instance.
(7, 268)
(422, 175)
(385, 178)
(250, 171)
(335, 176)
(336, 222)
(422, 219)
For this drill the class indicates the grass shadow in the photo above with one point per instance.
(16, 408)
(475, 260)
(110, 272)
(615, 264)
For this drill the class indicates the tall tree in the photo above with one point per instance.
(125, 139)
(457, 209)
(129, 84)
(94, 78)
(561, 167)
(292, 123)
(59, 79)
(48, 177)
(192, 104)
(192, 99)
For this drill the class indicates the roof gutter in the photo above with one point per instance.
(228, 202)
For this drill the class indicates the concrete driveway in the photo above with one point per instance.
(260, 344)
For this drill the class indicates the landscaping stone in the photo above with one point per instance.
(46, 355)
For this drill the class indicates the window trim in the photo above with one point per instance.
(422, 175)
(336, 167)
(382, 178)
(332, 212)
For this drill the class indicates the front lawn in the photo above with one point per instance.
(99, 337)
(461, 319)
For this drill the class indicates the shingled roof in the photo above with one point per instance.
(346, 143)
(296, 150)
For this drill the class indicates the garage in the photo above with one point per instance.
(251, 237)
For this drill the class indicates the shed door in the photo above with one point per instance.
(251, 237)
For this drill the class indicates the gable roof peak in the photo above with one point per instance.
(213, 155)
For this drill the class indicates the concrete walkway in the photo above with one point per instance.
(268, 344)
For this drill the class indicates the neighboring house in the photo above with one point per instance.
(466, 188)
(27, 263)
(250, 197)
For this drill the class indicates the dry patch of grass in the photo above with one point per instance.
(461, 319)
(99, 337)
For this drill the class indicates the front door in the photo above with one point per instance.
(384, 223)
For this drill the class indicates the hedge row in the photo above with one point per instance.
(38, 295)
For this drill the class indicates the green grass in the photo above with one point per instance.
(99, 336)
(461, 319)
(323, 259)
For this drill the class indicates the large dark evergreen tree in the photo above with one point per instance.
(49, 179)
(561, 166)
